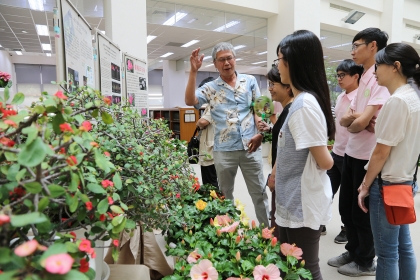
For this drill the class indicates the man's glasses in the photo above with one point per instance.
(224, 59)
(276, 62)
(355, 46)
(341, 76)
(271, 84)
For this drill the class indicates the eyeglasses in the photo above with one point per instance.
(355, 46)
(276, 61)
(224, 59)
(341, 76)
(376, 66)
(271, 84)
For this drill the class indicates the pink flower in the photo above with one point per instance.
(85, 245)
(60, 95)
(115, 242)
(222, 220)
(274, 241)
(59, 264)
(178, 195)
(131, 99)
(291, 250)
(230, 228)
(271, 272)
(86, 126)
(193, 257)
(107, 183)
(204, 270)
(92, 253)
(89, 205)
(11, 123)
(267, 233)
(110, 200)
(65, 127)
(27, 248)
(107, 154)
(4, 219)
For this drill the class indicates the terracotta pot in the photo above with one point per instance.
(330, 147)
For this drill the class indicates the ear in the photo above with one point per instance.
(374, 46)
(397, 65)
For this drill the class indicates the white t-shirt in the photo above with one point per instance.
(303, 191)
(398, 126)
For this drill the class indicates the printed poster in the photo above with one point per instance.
(136, 82)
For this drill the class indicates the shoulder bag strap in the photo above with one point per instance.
(195, 132)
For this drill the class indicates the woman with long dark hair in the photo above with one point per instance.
(394, 158)
(303, 188)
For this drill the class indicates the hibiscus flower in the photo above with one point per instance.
(204, 271)
(271, 272)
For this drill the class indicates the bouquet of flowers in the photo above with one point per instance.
(5, 80)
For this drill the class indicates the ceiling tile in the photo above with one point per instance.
(39, 17)
(16, 18)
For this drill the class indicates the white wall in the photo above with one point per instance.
(6, 65)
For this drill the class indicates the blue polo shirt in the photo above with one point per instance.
(232, 117)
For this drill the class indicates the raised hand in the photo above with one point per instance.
(196, 60)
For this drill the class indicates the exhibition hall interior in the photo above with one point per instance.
(137, 54)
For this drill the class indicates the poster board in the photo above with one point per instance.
(136, 83)
(78, 50)
(109, 65)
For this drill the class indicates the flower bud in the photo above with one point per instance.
(172, 245)
(302, 263)
(209, 255)
(253, 224)
(218, 232)
(211, 222)
(265, 252)
(190, 232)
(258, 259)
(238, 239)
(183, 242)
(274, 241)
(238, 256)
(182, 268)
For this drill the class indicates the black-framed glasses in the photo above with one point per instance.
(224, 59)
(276, 62)
(355, 46)
(271, 84)
(341, 76)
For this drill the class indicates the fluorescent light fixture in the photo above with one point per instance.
(227, 25)
(178, 16)
(167, 54)
(239, 47)
(160, 60)
(207, 24)
(23, 31)
(207, 57)
(209, 65)
(238, 59)
(322, 38)
(259, 62)
(190, 43)
(46, 47)
(96, 8)
(353, 17)
(150, 38)
(338, 46)
(42, 30)
(1, 46)
(191, 20)
(48, 54)
(102, 31)
(18, 52)
(262, 53)
(37, 5)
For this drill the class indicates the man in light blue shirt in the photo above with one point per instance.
(236, 140)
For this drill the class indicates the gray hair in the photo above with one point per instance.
(222, 46)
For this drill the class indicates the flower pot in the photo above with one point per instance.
(330, 147)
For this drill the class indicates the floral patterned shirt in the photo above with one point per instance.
(232, 117)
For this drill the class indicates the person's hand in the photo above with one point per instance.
(363, 193)
(254, 143)
(263, 126)
(371, 125)
(196, 60)
(271, 184)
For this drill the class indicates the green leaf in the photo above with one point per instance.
(12, 172)
(50, 103)
(33, 187)
(6, 94)
(88, 105)
(4, 255)
(10, 156)
(117, 181)
(95, 113)
(26, 219)
(33, 154)
(20, 175)
(116, 209)
(57, 120)
(117, 220)
(39, 109)
(115, 254)
(68, 110)
(43, 203)
(32, 133)
(74, 203)
(247, 265)
(71, 247)
(18, 98)
(120, 227)
(95, 188)
(74, 182)
(91, 274)
(130, 224)
(107, 118)
(56, 190)
(103, 206)
(7, 275)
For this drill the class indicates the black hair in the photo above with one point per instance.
(406, 55)
(373, 34)
(302, 51)
(350, 67)
(206, 80)
(274, 76)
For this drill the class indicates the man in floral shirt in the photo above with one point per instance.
(236, 140)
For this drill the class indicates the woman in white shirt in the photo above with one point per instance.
(395, 156)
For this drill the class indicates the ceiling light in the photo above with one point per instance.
(48, 54)
(337, 46)
(160, 60)
(96, 8)
(259, 62)
(150, 38)
(23, 31)
(18, 52)
(262, 53)
(46, 47)
(207, 24)
(207, 57)
(190, 43)
(322, 38)
(239, 47)
(237, 59)
(178, 16)
(42, 30)
(37, 5)
(227, 25)
(209, 65)
(167, 54)
(353, 17)
(192, 20)
(1, 46)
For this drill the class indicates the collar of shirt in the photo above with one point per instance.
(368, 75)
(239, 79)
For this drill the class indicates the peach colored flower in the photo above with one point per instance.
(4, 219)
(107, 154)
(201, 205)
(59, 264)
(222, 220)
(253, 225)
(65, 127)
(274, 241)
(230, 228)
(267, 233)
(107, 183)
(60, 95)
(11, 123)
(238, 256)
(258, 258)
(193, 257)
(107, 100)
(94, 144)
(204, 271)
(86, 126)
(271, 272)
(27, 248)
(291, 250)
(71, 160)
(85, 245)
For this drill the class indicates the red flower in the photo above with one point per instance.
(107, 100)
(102, 217)
(110, 215)
(86, 126)
(71, 160)
(107, 183)
(7, 113)
(60, 95)
(274, 241)
(178, 195)
(65, 127)
(73, 234)
(92, 253)
(7, 142)
(110, 201)
(11, 123)
(94, 144)
(4, 219)
(115, 242)
(62, 151)
(84, 265)
(89, 205)
(107, 154)
(85, 245)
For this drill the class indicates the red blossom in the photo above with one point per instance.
(178, 195)
(6, 113)
(73, 234)
(71, 160)
(11, 123)
(60, 95)
(102, 217)
(86, 126)
(66, 127)
(84, 265)
(115, 242)
(107, 100)
(110, 200)
(85, 245)
(62, 150)
(107, 183)
(89, 205)
(110, 215)
(7, 142)
(107, 154)
(4, 219)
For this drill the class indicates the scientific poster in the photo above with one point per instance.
(136, 84)
(110, 69)
(77, 47)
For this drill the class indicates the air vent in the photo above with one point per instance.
(157, 12)
(173, 44)
(412, 26)
(341, 8)
(18, 50)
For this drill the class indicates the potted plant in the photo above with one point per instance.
(5, 82)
